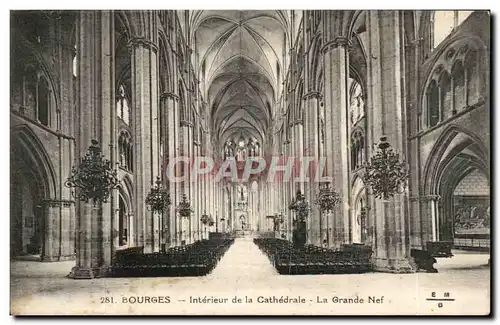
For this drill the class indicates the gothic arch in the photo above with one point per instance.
(27, 146)
(316, 62)
(165, 70)
(126, 190)
(456, 50)
(133, 21)
(299, 115)
(444, 57)
(44, 70)
(359, 215)
(437, 162)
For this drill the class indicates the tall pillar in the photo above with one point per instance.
(145, 113)
(195, 223)
(311, 149)
(336, 65)
(93, 117)
(391, 243)
(169, 120)
(412, 70)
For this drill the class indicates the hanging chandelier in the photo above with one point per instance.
(300, 205)
(94, 177)
(184, 208)
(205, 218)
(327, 199)
(158, 198)
(385, 173)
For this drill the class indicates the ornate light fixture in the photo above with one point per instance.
(300, 205)
(158, 198)
(184, 208)
(327, 199)
(205, 218)
(94, 177)
(385, 173)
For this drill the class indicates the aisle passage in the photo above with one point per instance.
(244, 260)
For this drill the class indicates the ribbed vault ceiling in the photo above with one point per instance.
(240, 57)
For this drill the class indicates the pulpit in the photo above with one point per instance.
(299, 234)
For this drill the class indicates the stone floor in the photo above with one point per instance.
(245, 273)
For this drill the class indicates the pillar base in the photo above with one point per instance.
(394, 265)
(61, 258)
(78, 272)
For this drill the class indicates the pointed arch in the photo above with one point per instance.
(165, 64)
(443, 152)
(126, 189)
(315, 62)
(26, 145)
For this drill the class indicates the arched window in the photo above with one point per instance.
(182, 105)
(432, 104)
(357, 150)
(43, 101)
(357, 103)
(446, 95)
(75, 62)
(471, 76)
(444, 22)
(458, 79)
(125, 151)
(278, 72)
(354, 149)
(122, 106)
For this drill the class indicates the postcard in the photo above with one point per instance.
(250, 162)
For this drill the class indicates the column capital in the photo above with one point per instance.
(296, 122)
(186, 123)
(339, 41)
(57, 203)
(170, 95)
(136, 41)
(429, 197)
(312, 94)
(414, 43)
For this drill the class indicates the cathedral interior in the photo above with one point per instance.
(154, 85)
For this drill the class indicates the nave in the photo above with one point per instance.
(197, 120)
(245, 271)
(245, 261)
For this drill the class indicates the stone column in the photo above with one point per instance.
(391, 231)
(430, 225)
(311, 149)
(144, 122)
(169, 106)
(412, 70)
(49, 211)
(195, 223)
(64, 53)
(336, 66)
(94, 120)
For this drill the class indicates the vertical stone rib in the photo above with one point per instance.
(107, 129)
(95, 95)
(336, 101)
(311, 150)
(144, 84)
(391, 225)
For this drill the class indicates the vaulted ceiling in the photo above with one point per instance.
(240, 59)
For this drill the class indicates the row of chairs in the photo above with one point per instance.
(311, 259)
(196, 259)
